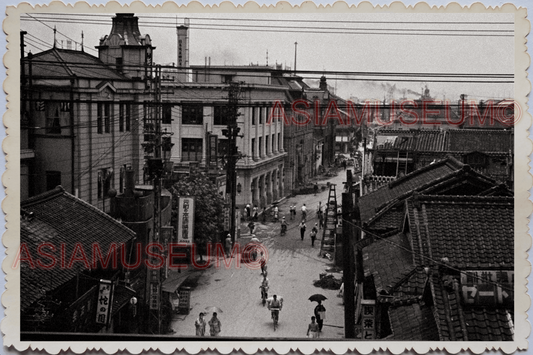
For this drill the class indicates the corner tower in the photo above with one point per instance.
(126, 49)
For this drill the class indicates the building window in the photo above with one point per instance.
(273, 143)
(191, 149)
(53, 179)
(53, 125)
(167, 114)
(223, 148)
(261, 109)
(267, 145)
(260, 146)
(192, 114)
(121, 117)
(104, 182)
(253, 147)
(254, 111)
(103, 120)
(220, 116)
(128, 117)
(279, 141)
(227, 79)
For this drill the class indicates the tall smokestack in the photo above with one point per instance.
(183, 50)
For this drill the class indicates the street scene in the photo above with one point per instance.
(292, 267)
(239, 177)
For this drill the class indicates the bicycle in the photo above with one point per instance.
(275, 316)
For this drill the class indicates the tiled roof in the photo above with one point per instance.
(389, 261)
(460, 182)
(471, 231)
(63, 63)
(419, 140)
(370, 203)
(59, 217)
(457, 322)
(412, 322)
(480, 140)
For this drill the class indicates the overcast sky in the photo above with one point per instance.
(408, 47)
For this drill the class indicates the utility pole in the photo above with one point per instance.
(233, 155)
(295, 51)
(156, 170)
(348, 259)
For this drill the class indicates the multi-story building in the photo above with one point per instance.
(196, 112)
(81, 115)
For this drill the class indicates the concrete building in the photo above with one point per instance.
(81, 115)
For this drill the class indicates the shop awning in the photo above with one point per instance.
(174, 280)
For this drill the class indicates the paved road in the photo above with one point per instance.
(293, 265)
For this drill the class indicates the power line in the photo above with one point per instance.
(314, 28)
(300, 20)
(310, 30)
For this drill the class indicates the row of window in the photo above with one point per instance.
(104, 117)
(269, 144)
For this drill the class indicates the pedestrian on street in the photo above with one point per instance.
(292, 211)
(228, 245)
(262, 262)
(314, 232)
(264, 214)
(344, 164)
(320, 314)
(248, 211)
(304, 213)
(255, 212)
(200, 325)
(312, 328)
(303, 227)
(214, 325)
(251, 225)
(315, 188)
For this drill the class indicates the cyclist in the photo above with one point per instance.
(264, 289)
(275, 305)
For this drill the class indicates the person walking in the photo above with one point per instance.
(262, 262)
(255, 214)
(248, 211)
(315, 188)
(292, 210)
(214, 325)
(320, 314)
(304, 212)
(200, 325)
(251, 225)
(228, 245)
(303, 227)
(312, 328)
(314, 232)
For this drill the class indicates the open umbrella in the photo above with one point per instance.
(212, 309)
(317, 297)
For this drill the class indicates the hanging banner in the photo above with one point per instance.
(185, 220)
(103, 303)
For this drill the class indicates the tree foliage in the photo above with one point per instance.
(209, 206)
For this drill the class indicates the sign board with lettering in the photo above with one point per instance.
(185, 300)
(488, 287)
(185, 220)
(104, 302)
(368, 319)
(212, 150)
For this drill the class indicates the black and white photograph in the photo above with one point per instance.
(347, 177)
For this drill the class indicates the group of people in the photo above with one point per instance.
(317, 321)
(251, 213)
(214, 325)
